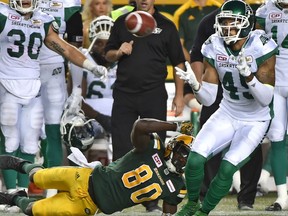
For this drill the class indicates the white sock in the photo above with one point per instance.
(236, 181)
(282, 195)
(264, 177)
(11, 190)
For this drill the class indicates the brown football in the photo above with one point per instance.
(140, 23)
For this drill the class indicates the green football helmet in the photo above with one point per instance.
(77, 131)
(243, 21)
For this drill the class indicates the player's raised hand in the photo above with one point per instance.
(188, 76)
(100, 71)
(185, 127)
(242, 66)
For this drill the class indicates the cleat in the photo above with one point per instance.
(8, 198)
(11, 162)
(189, 209)
(200, 213)
(274, 207)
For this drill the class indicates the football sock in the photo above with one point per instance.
(264, 177)
(54, 152)
(43, 150)
(282, 195)
(278, 161)
(194, 174)
(23, 179)
(236, 181)
(219, 186)
(10, 176)
(23, 202)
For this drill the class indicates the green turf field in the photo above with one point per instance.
(227, 207)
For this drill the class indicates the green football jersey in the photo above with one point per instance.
(135, 178)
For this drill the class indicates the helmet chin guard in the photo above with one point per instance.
(177, 152)
(19, 6)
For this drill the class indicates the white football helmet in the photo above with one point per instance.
(19, 5)
(100, 28)
(243, 23)
(177, 152)
(77, 131)
(279, 2)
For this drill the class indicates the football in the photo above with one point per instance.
(140, 23)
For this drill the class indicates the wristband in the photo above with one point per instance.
(88, 65)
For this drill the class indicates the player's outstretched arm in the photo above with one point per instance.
(142, 128)
(71, 53)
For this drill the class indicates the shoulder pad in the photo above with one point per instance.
(55, 26)
(71, 3)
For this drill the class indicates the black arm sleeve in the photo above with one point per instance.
(74, 28)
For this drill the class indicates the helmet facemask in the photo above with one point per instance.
(234, 22)
(99, 31)
(177, 152)
(19, 5)
(78, 132)
(282, 3)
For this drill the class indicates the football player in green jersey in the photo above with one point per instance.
(148, 172)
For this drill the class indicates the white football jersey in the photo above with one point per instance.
(20, 43)
(236, 97)
(61, 10)
(275, 21)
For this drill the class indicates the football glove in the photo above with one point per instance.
(185, 127)
(100, 71)
(74, 101)
(188, 76)
(242, 66)
(97, 70)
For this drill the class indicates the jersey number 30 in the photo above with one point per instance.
(138, 176)
(19, 43)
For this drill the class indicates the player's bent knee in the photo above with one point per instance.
(195, 160)
(227, 169)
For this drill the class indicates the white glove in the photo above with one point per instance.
(242, 66)
(188, 76)
(100, 71)
(74, 101)
(97, 70)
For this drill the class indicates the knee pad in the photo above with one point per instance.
(53, 97)
(9, 114)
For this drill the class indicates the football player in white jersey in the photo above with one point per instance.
(97, 92)
(243, 60)
(53, 84)
(272, 17)
(24, 29)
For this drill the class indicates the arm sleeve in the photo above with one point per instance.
(257, 88)
(207, 93)
(74, 28)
